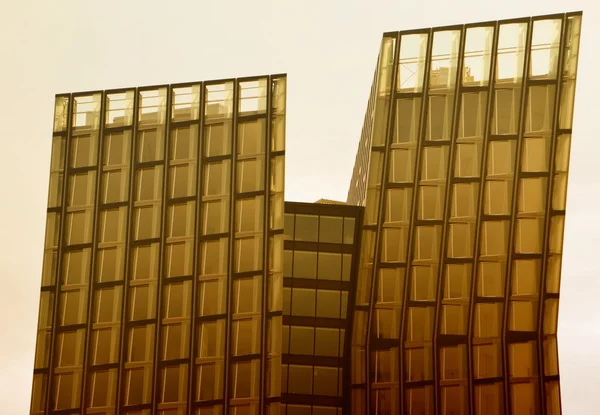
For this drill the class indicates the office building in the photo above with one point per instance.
(320, 248)
(462, 168)
(177, 281)
(162, 275)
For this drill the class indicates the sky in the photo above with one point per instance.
(329, 49)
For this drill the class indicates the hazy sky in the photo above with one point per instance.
(328, 48)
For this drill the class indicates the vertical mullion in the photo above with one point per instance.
(387, 133)
(127, 252)
(161, 281)
(413, 215)
(347, 338)
(93, 254)
(231, 245)
(549, 214)
(513, 216)
(457, 89)
(479, 214)
(266, 244)
(60, 250)
(196, 256)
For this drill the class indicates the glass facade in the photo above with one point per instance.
(163, 259)
(176, 281)
(464, 189)
(321, 246)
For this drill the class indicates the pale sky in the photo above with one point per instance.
(328, 48)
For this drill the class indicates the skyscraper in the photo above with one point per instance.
(161, 287)
(462, 169)
(176, 281)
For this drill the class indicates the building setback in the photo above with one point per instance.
(177, 281)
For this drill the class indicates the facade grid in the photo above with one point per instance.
(163, 263)
(177, 281)
(458, 285)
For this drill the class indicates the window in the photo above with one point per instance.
(497, 198)
(489, 399)
(82, 189)
(288, 226)
(506, 111)
(431, 201)
(108, 305)
(211, 297)
(330, 265)
(209, 380)
(423, 283)
(250, 214)
(115, 186)
(215, 216)
(439, 117)
(490, 278)
(327, 342)
(305, 264)
(150, 145)
(420, 323)
(536, 154)
(249, 254)
(419, 363)
(142, 302)
(331, 229)
(328, 304)
(145, 262)
(246, 336)
(216, 178)
(391, 285)
(84, 150)
(472, 114)
(213, 257)
(461, 239)
(250, 175)
(532, 195)
(247, 295)
(183, 143)
(112, 225)
(398, 205)
(251, 137)
(307, 228)
(402, 165)
(494, 238)
(245, 379)
(457, 281)
(434, 163)
(406, 125)
(303, 302)
(211, 339)
(182, 180)
(427, 242)
(102, 388)
(326, 381)
(73, 307)
(300, 379)
(468, 159)
(523, 315)
(178, 259)
(453, 362)
(464, 200)
(488, 320)
(302, 340)
(217, 139)
(173, 384)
